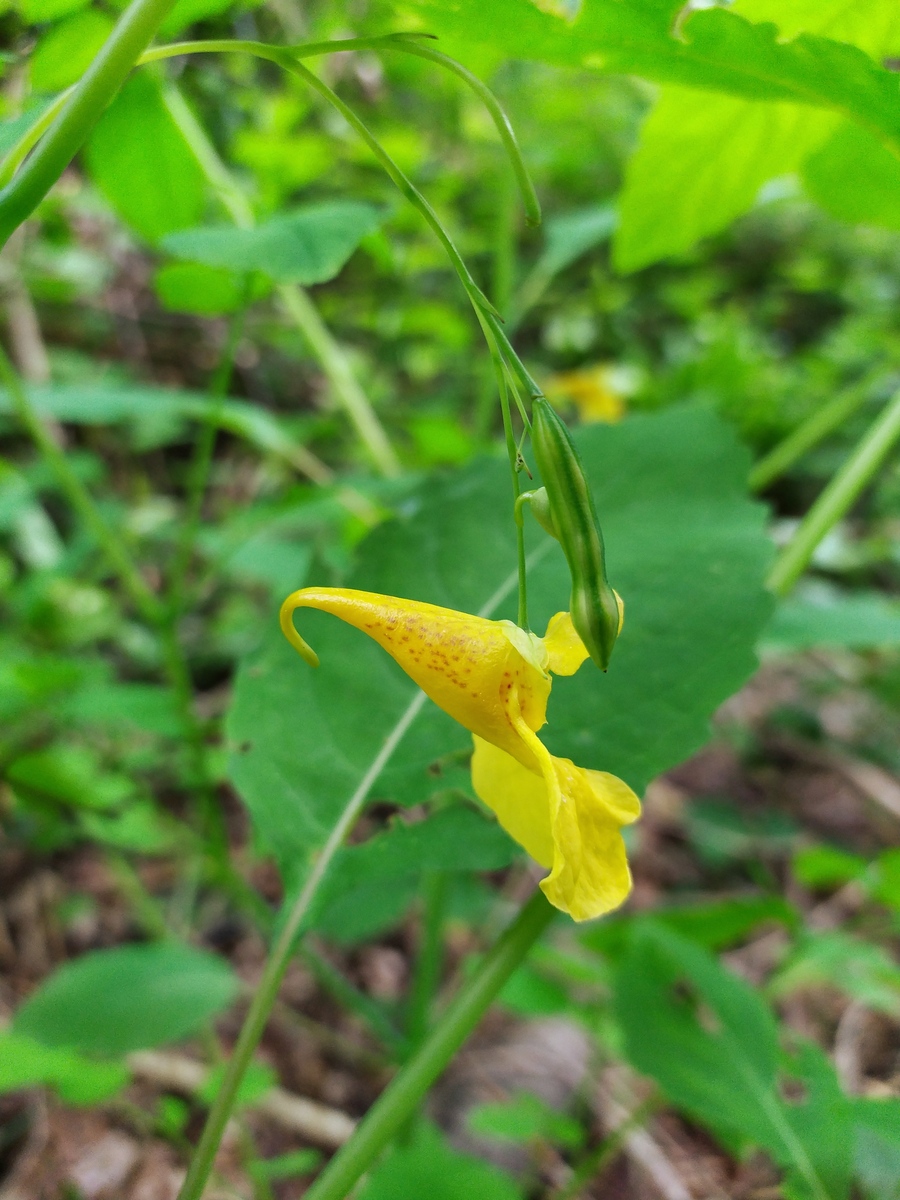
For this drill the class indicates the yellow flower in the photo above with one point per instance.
(493, 678)
(596, 392)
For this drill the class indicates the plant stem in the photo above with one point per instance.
(401, 1098)
(333, 358)
(597, 1159)
(483, 308)
(294, 299)
(808, 434)
(99, 84)
(201, 464)
(333, 981)
(837, 499)
(430, 959)
(293, 916)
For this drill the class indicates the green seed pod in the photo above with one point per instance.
(596, 609)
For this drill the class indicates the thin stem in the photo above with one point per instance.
(837, 499)
(530, 200)
(201, 464)
(349, 997)
(409, 43)
(808, 434)
(512, 453)
(430, 959)
(293, 917)
(333, 358)
(402, 1096)
(483, 308)
(597, 1159)
(83, 107)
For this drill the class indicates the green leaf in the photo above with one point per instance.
(877, 1151)
(524, 1118)
(130, 998)
(715, 924)
(25, 1062)
(671, 495)
(712, 1045)
(873, 25)
(66, 50)
(714, 49)
(126, 706)
(69, 774)
(152, 181)
(369, 887)
(826, 866)
(857, 620)
(425, 1165)
(36, 12)
(199, 290)
(701, 162)
(855, 178)
(307, 245)
(151, 408)
(189, 12)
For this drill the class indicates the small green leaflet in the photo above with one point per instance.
(306, 245)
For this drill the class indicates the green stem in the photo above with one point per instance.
(409, 43)
(430, 959)
(596, 1160)
(294, 915)
(530, 200)
(402, 1096)
(333, 358)
(201, 464)
(512, 453)
(808, 434)
(99, 84)
(356, 1001)
(837, 499)
(483, 308)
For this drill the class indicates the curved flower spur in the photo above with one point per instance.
(494, 679)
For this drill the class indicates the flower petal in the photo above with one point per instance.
(467, 665)
(565, 649)
(517, 797)
(568, 818)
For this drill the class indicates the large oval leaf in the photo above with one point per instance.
(687, 550)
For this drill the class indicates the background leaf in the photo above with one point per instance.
(712, 1045)
(303, 739)
(425, 1165)
(307, 245)
(25, 1062)
(130, 998)
(153, 181)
